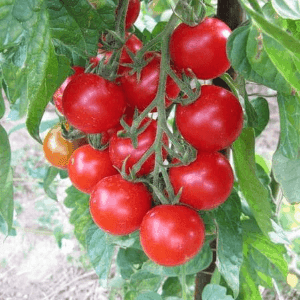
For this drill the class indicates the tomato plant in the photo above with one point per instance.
(132, 13)
(171, 235)
(87, 166)
(118, 206)
(213, 122)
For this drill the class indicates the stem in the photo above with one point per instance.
(121, 16)
(183, 281)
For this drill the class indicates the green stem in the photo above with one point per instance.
(229, 81)
(120, 19)
(183, 281)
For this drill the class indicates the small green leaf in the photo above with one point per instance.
(100, 253)
(171, 287)
(261, 107)
(229, 250)
(50, 176)
(288, 9)
(215, 292)
(143, 280)
(149, 296)
(254, 192)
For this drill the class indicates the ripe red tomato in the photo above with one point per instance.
(58, 150)
(57, 96)
(171, 235)
(132, 14)
(93, 104)
(121, 148)
(206, 182)
(140, 92)
(118, 206)
(201, 48)
(87, 166)
(133, 44)
(213, 122)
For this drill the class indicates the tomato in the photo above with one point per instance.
(121, 148)
(141, 91)
(206, 182)
(133, 44)
(201, 48)
(93, 104)
(118, 206)
(58, 150)
(57, 97)
(171, 235)
(213, 122)
(132, 14)
(87, 166)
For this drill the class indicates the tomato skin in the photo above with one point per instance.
(140, 92)
(118, 206)
(58, 150)
(207, 182)
(213, 122)
(93, 104)
(171, 235)
(201, 48)
(120, 148)
(87, 166)
(57, 96)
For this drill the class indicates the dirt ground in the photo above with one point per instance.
(32, 266)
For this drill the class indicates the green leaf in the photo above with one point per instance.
(80, 216)
(288, 9)
(255, 193)
(149, 296)
(143, 280)
(200, 262)
(229, 250)
(261, 107)
(215, 292)
(286, 173)
(240, 47)
(100, 253)
(171, 287)
(125, 241)
(129, 260)
(289, 111)
(50, 176)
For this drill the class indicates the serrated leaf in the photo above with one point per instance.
(238, 46)
(200, 262)
(286, 173)
(288, 9)
(149, 296)
(255, 193)
(261, 107)
(289, 111)
(229, 250)
(99, 252)
(50, 176)
(215, 292)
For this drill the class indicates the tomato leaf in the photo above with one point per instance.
(49, 178)
(253, 190)
(261, 107)
(215, 292)
(100, 253)
(171, 287)
(6, 182)
(229, 250)
(80, 216)
(289, 111)
(288, 9)
(143, 281)
(238, 47)
(149, 296)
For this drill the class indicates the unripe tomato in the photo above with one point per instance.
(206, 182)
(118, 206)
(213, 122)
(171, 235)
(93, 104)
(201, 48)
(87, 166)
(57, 149)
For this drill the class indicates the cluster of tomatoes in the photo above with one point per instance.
(170, 234)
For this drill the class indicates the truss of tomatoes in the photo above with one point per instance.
(170, 235)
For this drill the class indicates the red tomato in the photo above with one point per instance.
(118, 206)
(133, 44)
(171, 235)
(121, 148)
(201, 48)
(206, 182)
(132, 14)
(213, 122)
(58, 150)
(57, 97)
(87, 166)
(140, 92)
(93, 104)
